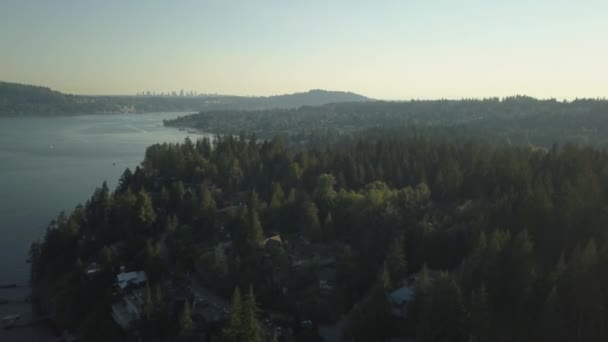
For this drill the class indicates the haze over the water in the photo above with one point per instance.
(383, 49)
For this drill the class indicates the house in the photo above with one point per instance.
(130, 279)
(327, 278)
(128, 309)
(399, 299)
(92, 269)
(273, 242)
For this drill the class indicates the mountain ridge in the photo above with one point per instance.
(18, 99)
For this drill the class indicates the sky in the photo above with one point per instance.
(382, 49)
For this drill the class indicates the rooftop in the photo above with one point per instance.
(125, 279)
(402, 295)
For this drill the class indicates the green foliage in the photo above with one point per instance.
(243, 324)
(442, 312)
(311, 221)
(370, 320)
(519, 120)
(395, 260)
(233, 331)
(186, 325)
(521, 232)
(481, 316)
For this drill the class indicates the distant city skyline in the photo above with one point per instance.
(176, 93)
(383, 49)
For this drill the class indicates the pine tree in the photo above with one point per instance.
(253, 330)
(206, 201)
(278, 196)
(157, 296)
(551, 325)
(148, 305)
(233, 332)
(186, 325)
(442, 315)
(255, 234)
(145, 210)
(369, 320)
(106, 258)
(329, 228)
(384, 279)
(276, 203)
(311, 217)
(481, 316)
(172, 223)
(395, 260)
(324, 193)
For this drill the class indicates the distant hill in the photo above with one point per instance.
(21, 100)
(315, 97)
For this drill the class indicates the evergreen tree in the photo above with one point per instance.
(106, 258)
(277, 197)
(329, 228)
(186, 325)
(395, 260)
(324, 193)
(369, 321)
(145, 210)
(311, 219)
(255, 233)
(442, 315)
(157, 296)
(551, 323)
(252, 328)
(235, 328)
(481, 316)
(148, 303)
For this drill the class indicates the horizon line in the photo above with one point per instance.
(404, 99)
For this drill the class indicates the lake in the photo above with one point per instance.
(53, 164)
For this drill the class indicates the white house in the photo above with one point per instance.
(400, 299)
(125, 279)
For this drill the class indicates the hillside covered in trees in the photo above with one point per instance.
(514, 120)
(24, 100)
(499, 243)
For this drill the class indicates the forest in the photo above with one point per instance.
(517, 120)
(505, 243)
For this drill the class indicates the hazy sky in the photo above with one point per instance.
(383, 49)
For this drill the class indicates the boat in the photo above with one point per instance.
(10, 320)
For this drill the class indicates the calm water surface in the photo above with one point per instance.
(52, 164)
